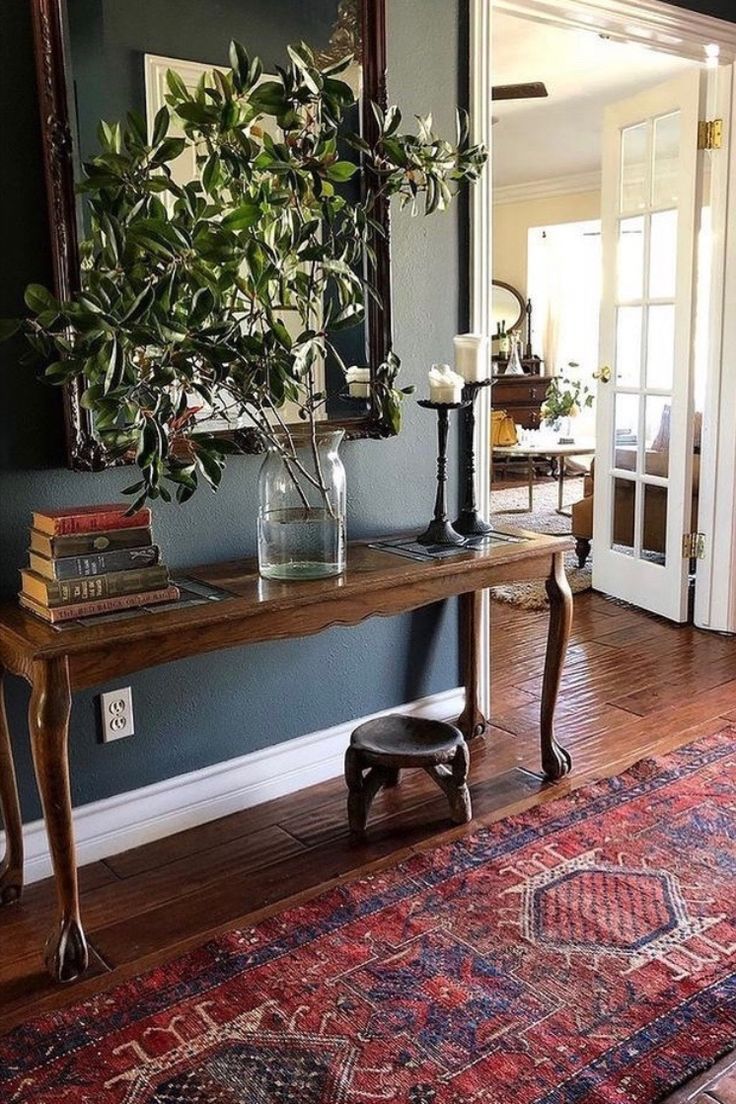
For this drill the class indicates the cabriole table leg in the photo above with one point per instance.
(48, 720)
(11, 867)
(556, 761)
(471, 721)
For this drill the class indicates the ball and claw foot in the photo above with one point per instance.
(11, 885)
(67, 956)
(556, 763)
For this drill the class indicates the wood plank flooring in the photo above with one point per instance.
(633, 685)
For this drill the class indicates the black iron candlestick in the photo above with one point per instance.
(470, 523)
(439, 530)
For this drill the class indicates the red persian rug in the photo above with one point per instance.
(580, 953)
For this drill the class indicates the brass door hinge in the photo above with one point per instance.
(710, 134)
(693, 546)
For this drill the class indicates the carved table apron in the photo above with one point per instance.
(58, 662)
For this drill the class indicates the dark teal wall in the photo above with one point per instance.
(198, 712)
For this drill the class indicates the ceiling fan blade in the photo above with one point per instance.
(533, 90)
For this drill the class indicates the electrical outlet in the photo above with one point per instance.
(116, 707)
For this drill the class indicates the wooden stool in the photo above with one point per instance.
(380, 749)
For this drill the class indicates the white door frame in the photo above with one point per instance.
(670, 29)
(481, 276)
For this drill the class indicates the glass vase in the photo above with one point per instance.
(566, 430)
(301, 513)
(514, 366)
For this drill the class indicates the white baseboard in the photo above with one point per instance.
(115, 824)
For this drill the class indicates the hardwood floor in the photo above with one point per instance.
(633, 685)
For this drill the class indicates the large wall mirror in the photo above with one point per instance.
(98, 59)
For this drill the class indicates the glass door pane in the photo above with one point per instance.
(646, 287)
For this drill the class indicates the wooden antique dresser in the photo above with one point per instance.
(521, 396)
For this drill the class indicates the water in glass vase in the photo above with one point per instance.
(301, 517)
(295, 543)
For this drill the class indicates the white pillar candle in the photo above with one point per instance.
(445, 386)
(359, 382)
(471, 357)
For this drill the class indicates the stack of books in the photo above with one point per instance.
(90, 560)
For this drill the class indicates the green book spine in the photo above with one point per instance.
(65, 592)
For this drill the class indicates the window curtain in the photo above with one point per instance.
(564, 285)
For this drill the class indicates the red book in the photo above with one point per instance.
(99, 605)
(89, 519)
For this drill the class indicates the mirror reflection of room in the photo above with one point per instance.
(118, 65)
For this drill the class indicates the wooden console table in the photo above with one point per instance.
(58, 662)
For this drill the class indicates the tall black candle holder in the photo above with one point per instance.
(470, 523)
(439, 530)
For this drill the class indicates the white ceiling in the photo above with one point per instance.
(560, 136)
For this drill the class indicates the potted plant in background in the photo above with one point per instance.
(563, 402)
(222, 294)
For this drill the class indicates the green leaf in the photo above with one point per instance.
(202, 306)
(38, 298)
(392, 122)
(281, 332)
(268, 98)
(212, 172)
(176, 85)
(195, 112)
(248, 214)
(223, 84)
(169, 150)
(115, 367)
(339, 91)
(137, 126)
(210, 467)
(141, 305)
(160, 125)
(60, 371)
(342, 170)
(240, 64)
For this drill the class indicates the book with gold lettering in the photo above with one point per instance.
(102, 605)
(89, 519)
(99, 563)
(64, 592)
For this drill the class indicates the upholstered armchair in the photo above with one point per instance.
(654, 537)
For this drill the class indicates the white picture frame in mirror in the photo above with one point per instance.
(183, 170)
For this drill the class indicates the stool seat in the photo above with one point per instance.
(380, 748)
(407, 741)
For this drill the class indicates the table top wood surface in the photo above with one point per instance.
(257, 609)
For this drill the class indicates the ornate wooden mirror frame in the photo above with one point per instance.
(360, 28)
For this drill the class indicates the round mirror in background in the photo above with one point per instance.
(507, 306)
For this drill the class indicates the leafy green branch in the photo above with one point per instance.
(219, 296)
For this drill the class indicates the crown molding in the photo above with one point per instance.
(653, 23)
(571, 184)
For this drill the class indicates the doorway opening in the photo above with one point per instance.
(548, 203)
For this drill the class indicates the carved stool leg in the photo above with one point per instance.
(453, 781)
(459, 793)
(556, 761)
(471, 721)
(11, 867)
(48, 720)
(357, 807)
(390, 777)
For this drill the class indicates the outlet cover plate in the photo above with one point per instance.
(116, 708)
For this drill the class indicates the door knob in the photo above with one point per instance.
(603, 375)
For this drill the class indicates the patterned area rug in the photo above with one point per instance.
(579, 953)
(544, 519)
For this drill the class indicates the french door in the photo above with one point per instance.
(651, 205)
